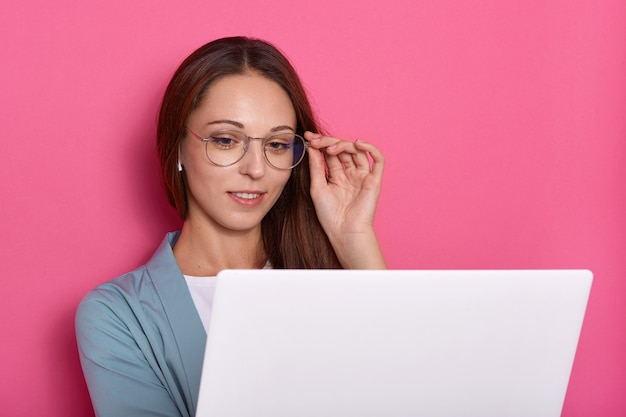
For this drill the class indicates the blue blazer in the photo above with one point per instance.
(141, 341)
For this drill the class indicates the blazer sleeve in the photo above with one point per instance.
(121, 369)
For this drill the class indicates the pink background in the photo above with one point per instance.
(503, 123)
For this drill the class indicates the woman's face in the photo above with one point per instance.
(236, 197)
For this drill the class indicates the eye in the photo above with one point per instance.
(225, 140)
(279, 144)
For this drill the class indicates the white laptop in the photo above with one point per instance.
(325, 343)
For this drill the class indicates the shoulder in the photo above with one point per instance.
(120, 291)
(127, 294)
(116, 304)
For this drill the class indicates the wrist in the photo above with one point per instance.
(358, 250)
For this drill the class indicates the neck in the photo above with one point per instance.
(202, 250)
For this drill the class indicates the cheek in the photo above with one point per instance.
(280, 185)
(284, 179)
(203, 177)
(192, 151)
(197, 165)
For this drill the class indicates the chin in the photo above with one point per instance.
(242, 225)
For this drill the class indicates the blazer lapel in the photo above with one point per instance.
(189, 334)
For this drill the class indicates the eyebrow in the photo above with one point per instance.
(241, 126)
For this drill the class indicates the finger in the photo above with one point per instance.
(340, 146)
(329, 144)
(319, 141)
(347, 160)
(350, 155)
(322, 143)
(362, 158)
(378, 159)
(317, 169)
(334, 164)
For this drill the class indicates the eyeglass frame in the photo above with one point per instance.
(247, 145)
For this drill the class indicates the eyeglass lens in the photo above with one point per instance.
(283, 151)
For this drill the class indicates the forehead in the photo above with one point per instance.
(249, 99)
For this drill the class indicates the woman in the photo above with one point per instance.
(257, 186)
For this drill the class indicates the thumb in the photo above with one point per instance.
(317, 168)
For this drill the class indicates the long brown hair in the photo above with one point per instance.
(292, 235)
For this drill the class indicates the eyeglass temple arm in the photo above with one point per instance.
(195, 135)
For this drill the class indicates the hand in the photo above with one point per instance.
(345, 187)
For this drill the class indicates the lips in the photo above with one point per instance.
(247, 198)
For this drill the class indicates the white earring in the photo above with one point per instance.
(180, 167)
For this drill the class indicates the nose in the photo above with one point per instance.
(253, 162)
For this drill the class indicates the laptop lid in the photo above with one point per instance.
(286, 343)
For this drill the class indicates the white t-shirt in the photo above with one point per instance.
(202, 290)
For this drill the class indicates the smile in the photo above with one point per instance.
(247, 199)
(249, 196)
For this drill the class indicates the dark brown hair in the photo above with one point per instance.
(292, 235)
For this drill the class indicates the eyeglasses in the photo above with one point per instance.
(227, 147)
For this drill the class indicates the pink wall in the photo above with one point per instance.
(503, 124)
